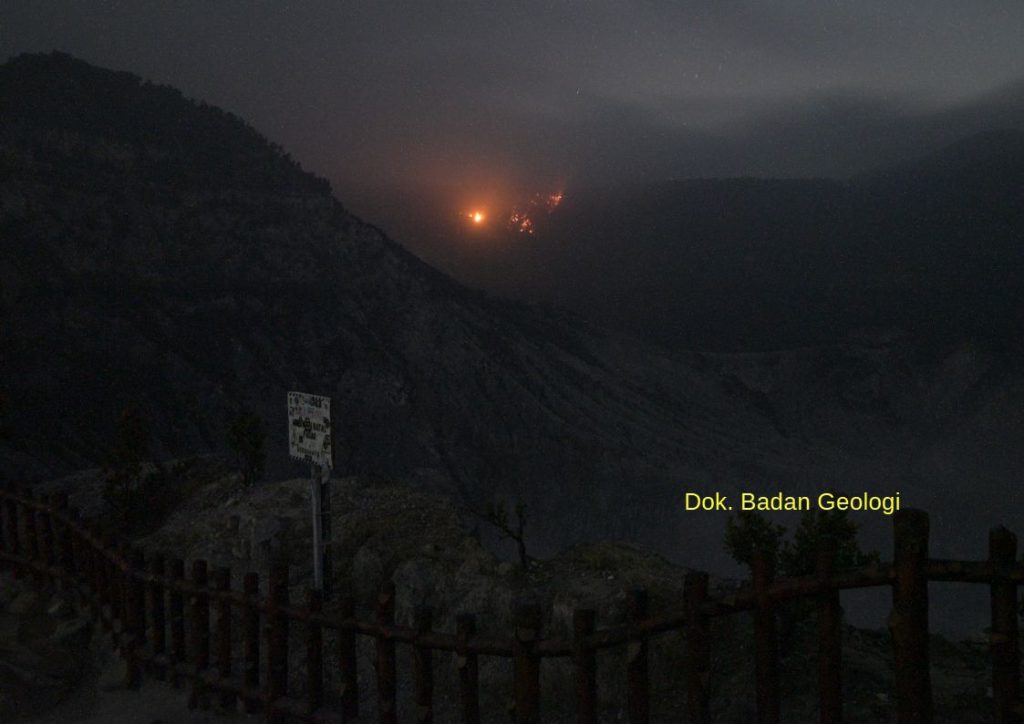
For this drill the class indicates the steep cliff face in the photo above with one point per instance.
(159, 253)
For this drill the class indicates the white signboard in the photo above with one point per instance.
(309, 428)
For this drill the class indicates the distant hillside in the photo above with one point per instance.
(157, 252)
(741, 264)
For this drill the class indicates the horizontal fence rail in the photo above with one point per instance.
(237, 652)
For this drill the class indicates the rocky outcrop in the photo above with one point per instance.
(44, 649)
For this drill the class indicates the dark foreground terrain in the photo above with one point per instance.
(56, 667)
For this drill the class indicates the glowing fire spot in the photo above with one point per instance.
(477, 217)
(522, 218)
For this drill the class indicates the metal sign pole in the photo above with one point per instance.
(325, 529)
(318, 550)
(309, 438)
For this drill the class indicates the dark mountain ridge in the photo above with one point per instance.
(190, 291)
(133, 277)
(930, 246)
(64, 94)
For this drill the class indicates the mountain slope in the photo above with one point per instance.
(931, 246)
(142, 266)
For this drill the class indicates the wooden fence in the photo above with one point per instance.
(143, 602)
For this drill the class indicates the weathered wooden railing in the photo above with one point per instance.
(142, 602)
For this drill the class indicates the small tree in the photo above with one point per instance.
(124, 479)
(497, 514)
(248, 439)
(799, 556)
(748, 532)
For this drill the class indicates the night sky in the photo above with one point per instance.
(468, 98)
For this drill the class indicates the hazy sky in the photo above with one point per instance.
(489, 94)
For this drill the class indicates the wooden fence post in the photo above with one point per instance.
(46, 546)
(64, 550)
(136, 574)
(251, 638)
(423, 667)
(32, 539)
(4, 545)
(526, 664)
(6, 534)
(157, 612)
(314, 651)
(53, 534)
(830, 638)
(111, 580)
(469, 670)
(98, 574)
(119, 576)
(277, 644)
(13, 533)
(909, 619)
(698, 647)
(347, 661)
(76, 557)
(637, 677)
(129, 590)
(135, 617)
(585, 665)
(386, 684)
(766, 642)
(107, 585)
(177, 603)
(83, 559)
(222, 584)
(200, 632)
(121, 589)
(1002, 552)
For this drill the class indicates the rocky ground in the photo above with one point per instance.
(433, 553)
(42, 649)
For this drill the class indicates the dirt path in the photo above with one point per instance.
(55, 666)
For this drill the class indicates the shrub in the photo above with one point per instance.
(124, 480)
(748, 532)
(248, 440)
(797, 556)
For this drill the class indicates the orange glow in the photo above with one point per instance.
(523, 215)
